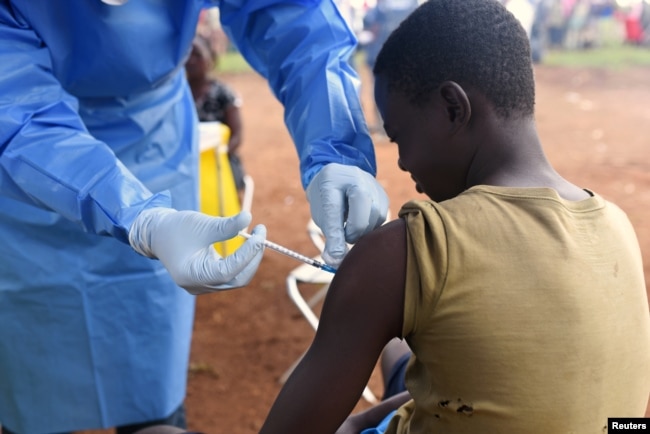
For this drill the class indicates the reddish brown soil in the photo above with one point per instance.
(595, 127)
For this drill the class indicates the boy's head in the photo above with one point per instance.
(443, 79)
(475, 43)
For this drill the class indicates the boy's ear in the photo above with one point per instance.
(459, 108)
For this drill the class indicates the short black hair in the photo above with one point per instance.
(472, 42)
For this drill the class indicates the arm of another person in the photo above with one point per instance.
(363, 310)
(234, 122)
(49, 159)
(302, 48)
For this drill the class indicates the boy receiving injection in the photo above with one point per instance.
(520, 294)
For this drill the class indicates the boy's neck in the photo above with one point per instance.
(512, 156)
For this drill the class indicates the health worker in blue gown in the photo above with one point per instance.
(98, 192)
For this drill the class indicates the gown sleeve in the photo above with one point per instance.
(302, 48)
(47, 157)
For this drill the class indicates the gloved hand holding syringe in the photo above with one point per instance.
(295, 255)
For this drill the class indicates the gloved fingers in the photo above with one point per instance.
(359, 213)
(330, 209)
(339, 253)
(377, 212)
(198, 280)
(376, 219)
(247, 274)
(236, 269)
(346, 203)
(225, 228)
(327, 202)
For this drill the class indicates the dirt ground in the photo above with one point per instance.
(594, 125)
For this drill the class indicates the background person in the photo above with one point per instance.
(98, 151)
(378, 24)
(216, 101)
(521, 295)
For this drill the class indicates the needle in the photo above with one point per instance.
(292, 254)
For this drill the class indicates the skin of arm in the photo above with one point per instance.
(363, 310)
(233, 120)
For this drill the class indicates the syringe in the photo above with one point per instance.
(295, 255)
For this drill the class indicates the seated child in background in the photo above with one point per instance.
(215, 101)
(520, 294)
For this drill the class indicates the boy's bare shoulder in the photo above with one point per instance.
(370, 283)
(382, 251)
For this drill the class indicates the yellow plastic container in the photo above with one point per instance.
(217, 191)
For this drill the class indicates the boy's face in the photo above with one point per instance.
(425, 142)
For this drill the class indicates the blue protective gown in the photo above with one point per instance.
(96, 124)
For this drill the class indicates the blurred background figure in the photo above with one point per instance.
(210, 28)
(540, 29)
(534, 17)
(524, 11)
(556, 23)
(637, 22)
(579, 24)
(378, 24)
(215, 100)
(353, 12)
(580, 31)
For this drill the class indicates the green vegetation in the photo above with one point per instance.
(613, 57)
(232, 62)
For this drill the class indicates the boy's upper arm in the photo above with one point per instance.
(363, 310)
(368, 289)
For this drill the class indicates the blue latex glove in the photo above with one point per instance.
(346, 203)
(183, 241)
